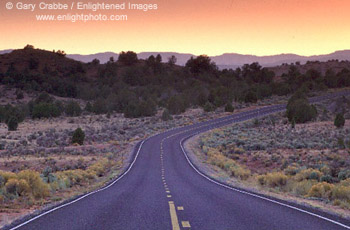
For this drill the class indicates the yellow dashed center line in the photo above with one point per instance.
(185, 224)
(173, 216)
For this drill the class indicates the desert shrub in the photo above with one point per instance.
(99, 106)
(89, 107)
(229, 108)
(321, 190)
(341, 142)
(275, 179)
(315, 175)
(26, 183)
(166, 115)
(240, 172)
(23, 187)
(8, 111)
(301, 188)
(78, 136)
(90, 175)
(293, 124)
(46, 110)
(326, 170)
(73, 177)
(229, 165)
(62, 182)
(291, 170)
(339, 120)
(344, 174)
(47, 171)
(341, 193)
(11, 186)
(19, 95)
(98, 168)
(38, 188)
(48, 176)
(216, 158)
(73, 109)
(2, 181)
(43, 98)
(327, 178)
(208, 107)
(12, 124)
(7, 176)
(308, 174)
(261, 179)
(345, 182)
(337, 202)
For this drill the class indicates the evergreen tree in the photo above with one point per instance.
(166, 115)
(208, 107)
(12, 123)
(299, 109)
(73, 109)
(88, 107)
(229, 108)
(78, 136)
(339, 120)
(250, 97)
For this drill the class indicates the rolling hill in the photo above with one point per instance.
(227, 60)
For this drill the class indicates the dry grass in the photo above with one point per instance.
(306, 164)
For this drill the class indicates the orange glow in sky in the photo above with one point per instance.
(213, 27)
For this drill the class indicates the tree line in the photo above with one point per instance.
(138, 88)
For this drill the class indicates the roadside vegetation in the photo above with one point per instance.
(305, 158)
(72, 155)
(29, 187)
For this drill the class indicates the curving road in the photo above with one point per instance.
(163, 190)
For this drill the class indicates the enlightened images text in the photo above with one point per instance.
(86, 6)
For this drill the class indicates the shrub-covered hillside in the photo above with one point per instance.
(301, 160)
(138, 87)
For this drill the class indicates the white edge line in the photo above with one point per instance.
(233, 117)
(116, 180)
(86, 195)
(255, 195)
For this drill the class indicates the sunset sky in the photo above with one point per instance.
(212, 27)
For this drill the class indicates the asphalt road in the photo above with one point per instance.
(163, 190)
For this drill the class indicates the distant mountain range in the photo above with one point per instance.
(104, 57)
(228, 60)
(5, 51)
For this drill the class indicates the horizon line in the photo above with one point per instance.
(188, 53)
